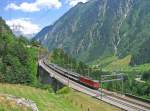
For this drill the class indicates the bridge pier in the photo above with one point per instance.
(45, 78)
(56, 85)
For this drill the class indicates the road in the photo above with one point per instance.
(125, 105)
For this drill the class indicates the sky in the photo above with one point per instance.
(30, 16)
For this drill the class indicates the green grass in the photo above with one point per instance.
(65, 100)
(142, 68)
(45, 101)
(104, 61)
(111, 64)
(119, 64)
(84, 102)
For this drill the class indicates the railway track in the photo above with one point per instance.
(130, 100)
(109, 98)
(118, 100)
(125, 104)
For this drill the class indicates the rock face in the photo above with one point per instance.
(22, 101)
(100, 28)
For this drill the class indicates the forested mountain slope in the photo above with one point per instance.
(101, 28)
(17, 60)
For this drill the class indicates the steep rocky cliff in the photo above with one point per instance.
(100, 28)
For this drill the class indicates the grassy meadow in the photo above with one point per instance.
(110, 64)
(46, 101)
(86, 102)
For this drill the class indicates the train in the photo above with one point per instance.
(94, 84)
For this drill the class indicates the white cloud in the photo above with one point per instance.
(74, 2)
(24, 26)
(35, 6)
(24, 7)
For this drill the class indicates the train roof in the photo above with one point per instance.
(74, 73)
(89, 78)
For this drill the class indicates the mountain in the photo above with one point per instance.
(4, 28)
(100, 28)
(43, 32)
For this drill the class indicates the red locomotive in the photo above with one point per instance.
(88, 82)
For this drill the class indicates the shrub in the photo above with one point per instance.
(64, 90)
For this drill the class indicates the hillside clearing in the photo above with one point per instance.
(86, 102)
(45, 101)
(112, 64)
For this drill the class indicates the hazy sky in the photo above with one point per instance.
(33, 15)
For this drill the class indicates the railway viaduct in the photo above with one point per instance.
(46, 78)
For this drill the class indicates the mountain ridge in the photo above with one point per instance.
(101, 28)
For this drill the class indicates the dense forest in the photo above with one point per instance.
(18, 58)
(143, 55)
